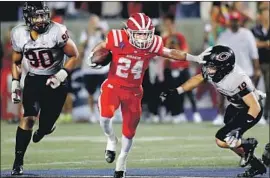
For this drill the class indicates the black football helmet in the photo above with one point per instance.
(36, 15)
(219, 63)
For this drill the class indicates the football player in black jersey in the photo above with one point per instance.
(44, 45)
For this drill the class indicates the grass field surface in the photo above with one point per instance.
(81, 146)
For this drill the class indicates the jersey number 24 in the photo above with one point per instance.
(125, 65)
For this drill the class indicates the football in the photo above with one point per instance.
(102, 57)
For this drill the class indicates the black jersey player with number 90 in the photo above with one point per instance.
(43, 44)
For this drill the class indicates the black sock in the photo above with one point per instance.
(23, 138)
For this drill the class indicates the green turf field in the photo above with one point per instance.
(76, 146)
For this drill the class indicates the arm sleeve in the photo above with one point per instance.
(14, 41)
(253, 50)
(62, 36)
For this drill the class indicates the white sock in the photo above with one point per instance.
(122, 158)
(106, 125)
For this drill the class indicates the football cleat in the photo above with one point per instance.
(17, 169)
(119, 174)
(109, 156)
(249, 151)
(257, 167)
(110, 150)
(38, 136)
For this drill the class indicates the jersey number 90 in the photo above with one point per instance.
(43, 58)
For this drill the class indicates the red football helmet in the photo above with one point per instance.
(140, 30)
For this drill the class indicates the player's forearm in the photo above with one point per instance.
(254, 106)
(182, 55)
(191, 84)
(174, 54)
(16, 73)
(71, 51)
(71, 63)
(16, 64)
(254, 110)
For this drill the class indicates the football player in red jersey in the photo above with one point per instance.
(132, 49)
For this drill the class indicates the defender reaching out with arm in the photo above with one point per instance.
(244, 110)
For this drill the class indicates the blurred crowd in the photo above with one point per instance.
(227, 23)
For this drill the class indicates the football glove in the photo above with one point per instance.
(15, 91)
(167, 94)
(232, 138)
(91, 64)
(55, 80)
(199, 58)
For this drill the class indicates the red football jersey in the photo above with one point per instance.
(129, 63)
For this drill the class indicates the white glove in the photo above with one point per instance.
(231, 141)
(56, 80)
(91, 64)
(199, 58)
(15, 91)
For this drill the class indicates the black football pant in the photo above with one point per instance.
(234, 120)
(42, 99)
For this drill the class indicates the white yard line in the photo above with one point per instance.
(102, 139)
(180, 158)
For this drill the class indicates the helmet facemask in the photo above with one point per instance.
(37, 19)
(141, 39)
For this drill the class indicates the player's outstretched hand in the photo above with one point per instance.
(169, 93)
(55, 80)
(205, 53)
(15, 91)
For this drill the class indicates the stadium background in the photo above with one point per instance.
(198, 29)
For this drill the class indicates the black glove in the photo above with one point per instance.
(167, 94)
